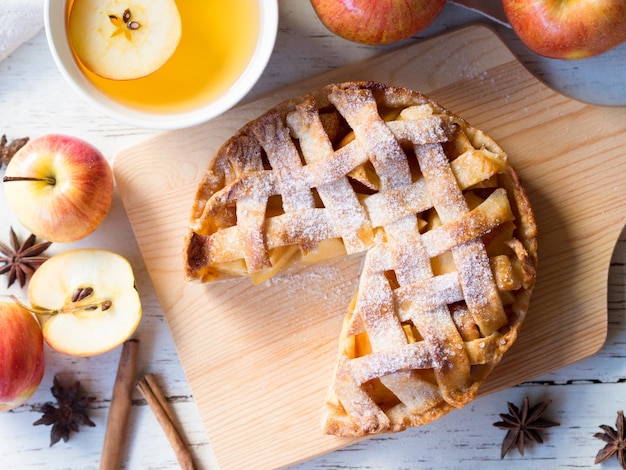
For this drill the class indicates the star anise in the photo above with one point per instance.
(7, 151)
(21, 261)
(70, 414)
(523, 425)
(615, 441)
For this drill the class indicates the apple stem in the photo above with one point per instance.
(36, 311)
(48, 179)
(104, 305)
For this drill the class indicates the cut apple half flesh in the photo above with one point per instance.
(85, 300)
(124, 39)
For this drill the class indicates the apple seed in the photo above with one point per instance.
(131, 25)
(81, 293)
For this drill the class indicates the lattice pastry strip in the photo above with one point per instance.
(347, 214)
(251, 210)
(447, 231)
(470, 256)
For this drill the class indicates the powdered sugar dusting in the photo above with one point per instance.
(401, 324)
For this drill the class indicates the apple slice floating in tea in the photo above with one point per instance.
(122, 39)
(85, 300)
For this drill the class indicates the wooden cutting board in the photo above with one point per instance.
(259, 358)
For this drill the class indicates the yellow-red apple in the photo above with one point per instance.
(85, 300)
(59, 187)
(377, 22)
(568, 29)
(21, 355)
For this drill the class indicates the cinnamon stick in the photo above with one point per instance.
(158, 404)
(121, 401)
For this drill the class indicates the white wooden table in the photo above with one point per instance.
(35, 100)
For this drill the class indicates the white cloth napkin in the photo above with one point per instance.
(21, 20)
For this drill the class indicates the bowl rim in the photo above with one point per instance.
(58, 43)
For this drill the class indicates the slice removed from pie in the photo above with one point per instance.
(446, 230)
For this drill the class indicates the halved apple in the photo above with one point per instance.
(85, 300)
(124, 39)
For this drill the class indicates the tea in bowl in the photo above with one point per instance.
(161, 64)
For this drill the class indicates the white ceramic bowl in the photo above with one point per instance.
(56, 33)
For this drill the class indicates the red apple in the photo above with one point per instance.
(568, 29)
(59, 187)
(21, 355)
(377, 21)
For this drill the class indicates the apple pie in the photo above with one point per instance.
(444, 226)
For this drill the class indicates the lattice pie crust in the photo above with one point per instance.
(447, 231)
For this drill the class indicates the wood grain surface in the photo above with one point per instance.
(259, 358)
